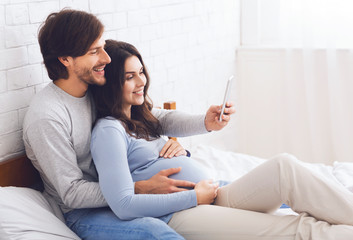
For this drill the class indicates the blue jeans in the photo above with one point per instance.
(103, 224)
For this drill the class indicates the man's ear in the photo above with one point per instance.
(64, 61)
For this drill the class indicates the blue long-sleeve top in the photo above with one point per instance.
(121, 160)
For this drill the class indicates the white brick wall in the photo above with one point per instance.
(188, 46)
(3, 86)
(17, 14)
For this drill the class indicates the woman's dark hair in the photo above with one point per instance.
(108, 98)
(67, 33)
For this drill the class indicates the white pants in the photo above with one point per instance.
(243, 208)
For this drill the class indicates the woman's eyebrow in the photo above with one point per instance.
(130, 72)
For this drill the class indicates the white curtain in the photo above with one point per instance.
(316, 90)
(323, 31)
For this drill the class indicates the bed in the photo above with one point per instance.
(26, 214)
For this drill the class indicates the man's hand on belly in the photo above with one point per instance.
(162, 184)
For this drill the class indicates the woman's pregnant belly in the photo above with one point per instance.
(190, 169)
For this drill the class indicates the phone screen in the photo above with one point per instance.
(226, 96)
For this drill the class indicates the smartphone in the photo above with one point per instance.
(226, 96)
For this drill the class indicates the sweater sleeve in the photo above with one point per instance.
(180, 124)
(109, 148)
(50, 143)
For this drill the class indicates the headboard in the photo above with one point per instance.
(19, 171)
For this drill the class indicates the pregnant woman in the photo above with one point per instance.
(126, 145)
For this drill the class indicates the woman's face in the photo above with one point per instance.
(135, 81)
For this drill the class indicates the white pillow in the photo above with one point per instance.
(343, 171)
(26, 214)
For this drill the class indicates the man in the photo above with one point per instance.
(57, 132)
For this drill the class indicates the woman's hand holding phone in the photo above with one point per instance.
(226, 96)
(217, 117)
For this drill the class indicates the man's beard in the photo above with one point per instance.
(85, 75)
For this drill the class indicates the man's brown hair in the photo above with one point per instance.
(67, 33)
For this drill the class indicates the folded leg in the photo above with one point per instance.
(209, 222)
(284, 180)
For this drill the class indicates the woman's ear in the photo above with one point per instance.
(64, 60)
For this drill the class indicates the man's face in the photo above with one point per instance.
(89, 68)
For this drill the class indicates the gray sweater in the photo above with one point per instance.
(57, 133)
